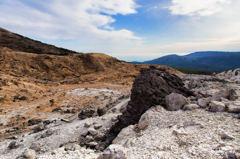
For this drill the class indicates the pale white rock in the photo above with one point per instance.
(87, 125)
(233, 109)
(175, 101)
(191, 107)
(92, 131)
(179, 132)
(144, 120)
(217, 106)
(203, 102)
(225, 135)
(29, 154)
(113, 152)
(226, 148)
(124, 136)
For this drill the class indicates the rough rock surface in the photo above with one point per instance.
(149, 89)
(175, 101)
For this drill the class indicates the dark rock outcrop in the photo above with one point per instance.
(149, 89)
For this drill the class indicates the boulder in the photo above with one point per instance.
(29, 154)
(38, 128)
(87, 112)
(144, 120)
(175, 101)
(191, 107)
(229, 94)
(150, 88)
(113, 152)
(203, 102)
(233, 109)
(35, 146)
(217, 106)
(194, 84)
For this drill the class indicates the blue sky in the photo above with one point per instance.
(131, 30)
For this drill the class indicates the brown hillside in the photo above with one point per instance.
(78, 67)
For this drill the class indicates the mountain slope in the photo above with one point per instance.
(18, 42)
(208, 60)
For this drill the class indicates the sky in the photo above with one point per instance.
(130, 30)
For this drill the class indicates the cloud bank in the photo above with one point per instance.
(68, 19)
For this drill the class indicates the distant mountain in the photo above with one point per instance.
(18, 42)
(216, 61)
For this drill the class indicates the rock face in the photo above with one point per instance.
(149, 89)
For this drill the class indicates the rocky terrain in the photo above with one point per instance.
(164, 116)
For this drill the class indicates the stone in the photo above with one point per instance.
(224, 136)
(92, 131)
(124, 135)
(29, 154)
(113, 152)
(38, 128)
(194, 84)
(87, 125)
(191, 107)
(87, 112)
(13, 145)
(71, 147)
(97, 126)
(35, 146)
(217, 106)
(34, 121)
(233, 109)
(144, 120)
(48, 133)
(229, 94)
(202, 103)
(179, 132)
(175, 101)
(92, 144)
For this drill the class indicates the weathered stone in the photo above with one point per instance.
(203, 102)
(87, 112)
(97, 126)
(113, 152)
(38, 128)
(29, 154)
(124, 135)
(92, 131)
(13, 145)
(92, 144)
(34, 121)
(179, 132)
(194, 84)
(71, 147)
(175, 101)
(225, 93)
(144, 120)
(35, 146)
(217, 106)
(224, 135)
(150, 88)
(191, 107)
(233, 109)
(87, 125)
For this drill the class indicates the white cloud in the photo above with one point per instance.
(83, 20)
(197, 7)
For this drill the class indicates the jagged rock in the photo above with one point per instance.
(203, 102)
(38, 128)
(97, 126)
(224, 135)
(179, 132)
(13, 145)
(92, 131)
(71, 147)
(144, 120)
(175, 101)
(101, 111)
(233, 109)
(124, 135)
(87, 125)
(29, 154)
(113, 152)
(35, 146)
(191, 107)
(34, 121)
(87, 112)
(217, 106)
(194, 84)
(48, 133)
(150, 88)
(225, 93)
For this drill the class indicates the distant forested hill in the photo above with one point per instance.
(208, 60)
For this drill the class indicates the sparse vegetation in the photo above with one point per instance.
(192, 71)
